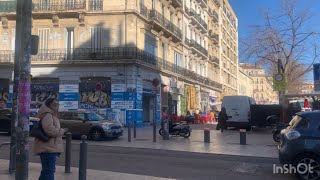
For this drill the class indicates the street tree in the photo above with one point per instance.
(287, 36)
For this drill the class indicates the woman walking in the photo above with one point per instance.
(48, 151)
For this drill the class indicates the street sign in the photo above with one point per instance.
(316, 76)
(279, 82)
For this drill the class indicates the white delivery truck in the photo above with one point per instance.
(238, 110)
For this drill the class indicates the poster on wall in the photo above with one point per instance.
(41, 92)
(4, 90)
(69, 96)
(92, 98)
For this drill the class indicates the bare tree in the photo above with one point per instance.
(286, 36)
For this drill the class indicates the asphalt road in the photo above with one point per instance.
(172, 164)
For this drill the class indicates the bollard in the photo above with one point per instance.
(129, 132)
(154, 132)
(83, 158)
(67, 164)
(134, 129)
(243, 136)
(206, 135)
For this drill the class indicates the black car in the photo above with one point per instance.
(5, 120)
(300, 145)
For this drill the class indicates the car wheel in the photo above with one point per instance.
(95, 134)
(305, 161)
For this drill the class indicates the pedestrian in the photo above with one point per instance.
(48, 151)
(2, 103)
(222, 119)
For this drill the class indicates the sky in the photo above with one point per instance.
(250, 13)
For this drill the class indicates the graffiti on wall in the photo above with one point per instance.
(91, 98)
(41, 92)
(4, 95)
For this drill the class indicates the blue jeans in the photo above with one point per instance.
(48, 163)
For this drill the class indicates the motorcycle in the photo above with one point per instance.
(275, 121)
(277, 130)
(178, 129)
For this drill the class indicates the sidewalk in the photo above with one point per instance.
(34, 171)
(259, 142)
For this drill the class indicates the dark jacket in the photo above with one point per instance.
(222, 117)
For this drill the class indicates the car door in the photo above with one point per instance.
(81, 125)
(66, 120)
(5, 120)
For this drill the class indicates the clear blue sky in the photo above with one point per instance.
(249, 13)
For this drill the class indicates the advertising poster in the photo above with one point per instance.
(91, 98)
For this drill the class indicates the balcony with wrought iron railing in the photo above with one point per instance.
(214, 60)
(177, 3)
(196, 19)
(217, 2)
(165, 24)
(55, 6)
(214, 14)
(194, 44)
(203, 3)
(187, 10)
(214, 37)
(109, 55)
(8, 6)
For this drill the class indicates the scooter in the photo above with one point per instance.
(178, 129)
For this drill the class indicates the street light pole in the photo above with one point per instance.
(14, 115)
(24, 9)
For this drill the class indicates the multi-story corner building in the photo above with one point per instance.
(262, 84)
(245, 84)
(306, 88)
(107, 55)
(229, 50)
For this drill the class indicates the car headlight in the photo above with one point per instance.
(292, 135)
(106, 127)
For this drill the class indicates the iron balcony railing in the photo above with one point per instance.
(203, 2)
(217, 2)
(107, 54)
(214, 14)
(66, 6)
(198, 18)
(94, 5)
(144, 11)
(197, 46)
(177, 3)
(214, 59)
(8, 6)
(159, 18)
(214, 37)
(187, 10)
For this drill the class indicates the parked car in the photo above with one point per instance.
(300, 143)
(91, 124)
(5, 121)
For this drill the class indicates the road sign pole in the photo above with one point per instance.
(24, 9)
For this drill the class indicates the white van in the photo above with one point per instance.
(238, 110)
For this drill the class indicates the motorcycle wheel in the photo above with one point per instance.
(161, 132)
(276, 136)
(186, 134)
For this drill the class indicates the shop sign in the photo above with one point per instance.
(118, 88)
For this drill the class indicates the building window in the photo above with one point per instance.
(178, 59)
(150, 43)
(43, 38)
(96, 36)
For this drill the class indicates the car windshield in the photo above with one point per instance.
(94, 117)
